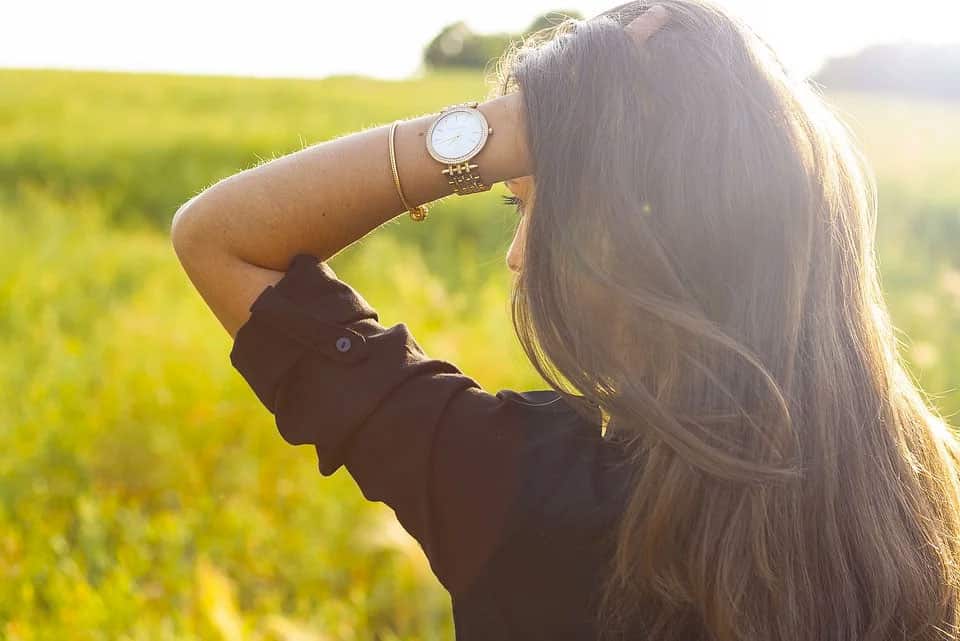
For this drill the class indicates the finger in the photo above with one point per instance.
(648, 23)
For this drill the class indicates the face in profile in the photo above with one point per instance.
(522, 191)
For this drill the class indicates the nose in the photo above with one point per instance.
(514, 258)
(512, 264)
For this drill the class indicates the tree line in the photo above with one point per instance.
(457, 46)
(923, 70)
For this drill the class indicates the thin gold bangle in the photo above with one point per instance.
(416, 213)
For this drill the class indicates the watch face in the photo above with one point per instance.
(457, 135)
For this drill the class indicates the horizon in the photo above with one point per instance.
(288, 44)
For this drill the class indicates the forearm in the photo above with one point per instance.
(324, 197)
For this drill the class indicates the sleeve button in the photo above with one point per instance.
(344, 344)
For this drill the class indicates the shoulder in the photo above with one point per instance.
(571, 476)
(547, 407)
(549, 432)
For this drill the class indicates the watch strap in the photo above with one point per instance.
(463, 180)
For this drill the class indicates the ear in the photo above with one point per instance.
(648, 23)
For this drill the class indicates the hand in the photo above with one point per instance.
(506, 153)
(518, 118)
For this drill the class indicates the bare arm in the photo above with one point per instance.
(239, 235)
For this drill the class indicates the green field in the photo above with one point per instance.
(144, 492)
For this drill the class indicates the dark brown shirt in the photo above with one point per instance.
(513, 496)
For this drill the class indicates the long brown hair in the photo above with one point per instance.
(700, 263)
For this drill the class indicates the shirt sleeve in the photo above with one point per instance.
(414, 432)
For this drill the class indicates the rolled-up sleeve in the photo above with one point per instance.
(413, 431)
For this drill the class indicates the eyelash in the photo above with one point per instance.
(513, 201)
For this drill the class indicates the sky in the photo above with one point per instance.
(385, 38)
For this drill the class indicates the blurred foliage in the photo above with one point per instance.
(458, 46)
(552, 19)
(144, 492)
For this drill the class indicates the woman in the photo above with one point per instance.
(732, 448)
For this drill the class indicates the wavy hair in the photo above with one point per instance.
(700, 263)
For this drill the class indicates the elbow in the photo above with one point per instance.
(178, 232)
(184, 233)
(197, 224)
(184, 229)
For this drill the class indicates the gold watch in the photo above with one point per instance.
(458, 134)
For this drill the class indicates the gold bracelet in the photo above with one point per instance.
(416, 213)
